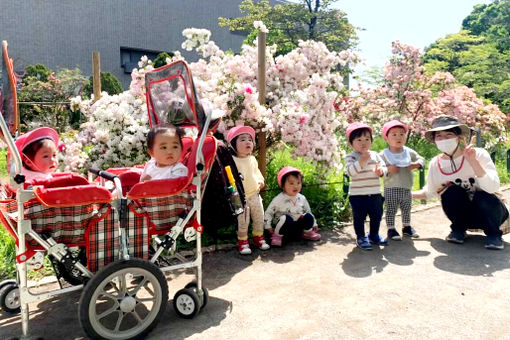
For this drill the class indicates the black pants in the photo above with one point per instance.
(294, 229)
(363, 205)
(485, 211)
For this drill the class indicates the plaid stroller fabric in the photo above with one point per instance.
(104, 235)
(163, 212)
(64, 224)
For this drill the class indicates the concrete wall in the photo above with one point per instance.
(63, 33)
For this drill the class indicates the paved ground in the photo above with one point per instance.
(414, 289)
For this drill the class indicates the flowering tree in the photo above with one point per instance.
(408, 94)
(301, 90)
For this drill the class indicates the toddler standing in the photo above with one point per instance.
(364, 167)
(400, 161)
(242, 141)
(164, 145)
(38, 153)
(290, 211)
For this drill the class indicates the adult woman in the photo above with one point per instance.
(466, 180)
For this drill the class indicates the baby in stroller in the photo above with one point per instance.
(38, 153)
(164, 145)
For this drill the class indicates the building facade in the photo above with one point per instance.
(64, 33)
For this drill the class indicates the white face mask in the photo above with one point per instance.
(447, 146)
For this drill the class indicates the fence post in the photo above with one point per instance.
(345, 185)
(96, 75)
(507, 160)
(422, 182)
(261, 84)
(493, 156)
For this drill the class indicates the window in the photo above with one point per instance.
(129, 57)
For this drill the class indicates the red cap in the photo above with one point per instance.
(391, 124)
(35, 135)
(356, 126)
(286, 170)
(239, 130)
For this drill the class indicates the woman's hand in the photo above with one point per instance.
(419, 195)
(469, 154)
(469, 151)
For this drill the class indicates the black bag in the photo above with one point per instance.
(217, 212)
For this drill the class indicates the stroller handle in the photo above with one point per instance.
(105, 174)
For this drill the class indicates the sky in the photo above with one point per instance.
(414, 22)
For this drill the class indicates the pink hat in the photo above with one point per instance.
(287, 170)
(239, 130)
(391, 124)
(356, 126)
(40, 133)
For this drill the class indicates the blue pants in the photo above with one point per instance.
(363, 205)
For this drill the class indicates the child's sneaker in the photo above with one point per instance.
(364, 243)
(394, 235)
(244, 247)
(276, 240)
(409, 231)
(311, 235)
(378, 239)
(260, 242)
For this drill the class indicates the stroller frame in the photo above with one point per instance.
(187, 302)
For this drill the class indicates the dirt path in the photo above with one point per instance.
(413, 289)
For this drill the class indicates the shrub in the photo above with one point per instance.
(161, 59)
(109, 84)
(38, 71)
(43, 97)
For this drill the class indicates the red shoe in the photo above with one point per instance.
(244, 247)
(311, 235)
(260, 242)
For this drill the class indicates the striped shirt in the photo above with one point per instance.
(364, 181)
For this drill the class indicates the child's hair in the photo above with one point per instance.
(456, 130)
(31, 150)
(295, 174)
(358, 133)
(162, 128)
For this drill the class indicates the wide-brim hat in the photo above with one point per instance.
(287, 170)
(239, 130)
(446, 122)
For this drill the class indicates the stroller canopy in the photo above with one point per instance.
(8, 99)
(172, 98)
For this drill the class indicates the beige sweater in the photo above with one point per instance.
(249, 169)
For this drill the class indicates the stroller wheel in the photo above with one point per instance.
(6, 282)
(124, 300)
(9, 298)
(186, 303)
(193, 285)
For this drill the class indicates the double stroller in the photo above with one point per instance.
(112, 236)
